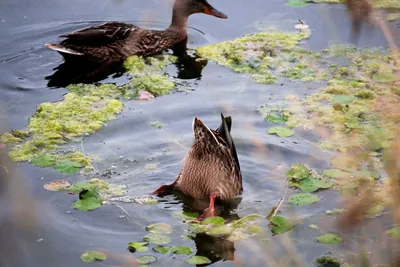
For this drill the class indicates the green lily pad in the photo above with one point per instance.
(298, 172)
(281, 225)
(80, 186)
(146, 259)
(343, 99)
(216, 220)
(44, 161)
(372, 174)
(335, 173)
(303, 199)
(88, 200)
(220, 230)
(162, 249)
(281, 131)
(182, 250)
(276, 118)
(394, 232)
(329, 239)
(198, 228)
(297, 3)
(309, 185)
(384, 77)
(197, 260)
(138, 246)
(157, 239)
(185, 215)
(159, 228)
(67, 167)
(92, 256)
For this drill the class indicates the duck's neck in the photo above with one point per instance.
(179, 21)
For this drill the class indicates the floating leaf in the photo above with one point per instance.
(57, 185)
(88, 200)
(162, 249)
(137, 246)
(197, 260)
(394, 232)
(182, 250)
(297, 3)
(372, 174)
(384, 77)
(343, 99)
(276, 118)
(303, 199)
(159, 228)
(185, 215)
(281, 131)
(281, 225)
(220, 230)
(68, 167)
(335, 173)
(157, 239)
(80, 186)
(146, 259)
(213, 220)
(329, 239)
(246, 220)
(309, 185)
(92, 256)
(44, 161)
(198, 228)
(298, 172)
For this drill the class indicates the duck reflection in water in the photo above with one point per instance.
(81, 71)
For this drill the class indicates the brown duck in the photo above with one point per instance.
(211, 167)
(117, 40)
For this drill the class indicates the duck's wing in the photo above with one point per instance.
(224, 131)
(102, 34)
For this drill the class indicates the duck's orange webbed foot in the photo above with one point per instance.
(208, 212)
(161, 189)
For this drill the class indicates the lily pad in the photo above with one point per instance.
(384, 77)
(159, 228)
(303, 199)
(329, 239)
(92, 256)
(281, 225)
(197, 260)
(157, 239)
(185, 215)
(335, 173)
(216, 220)
(298, 172)
(220, 230)
(276, 118)
(343, 99)
(309, 185)
(80, 186)
(372, 174)
(44, 161)
(182, 250)
(67, 167)
(297, 3)
(146, 259)
(281, 131)
(394, 232)
(246, 221)
(138, 246)
(57, 185)
(162, 249)
(88, 200)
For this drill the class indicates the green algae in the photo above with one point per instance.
(266, 55)
(327, 261)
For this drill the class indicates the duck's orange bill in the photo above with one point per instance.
(213, 12)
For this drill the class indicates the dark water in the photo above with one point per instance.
(127, 144)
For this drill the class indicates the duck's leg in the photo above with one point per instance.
(209, 212)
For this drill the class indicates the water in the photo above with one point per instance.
(127, 144)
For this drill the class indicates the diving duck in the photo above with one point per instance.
(211, 167)
(359, 11)
(117, 40)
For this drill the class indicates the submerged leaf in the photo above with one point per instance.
(197, 260)
(146, 259)
(88, 200)
(372, 174)
(137, 246)
(303, 199)
(329, 239)
(92, 256)
(281, 131)
(220, 230)
(157, 239)
(159, 228)
(44, 161)
(335, 173)
(281, 225)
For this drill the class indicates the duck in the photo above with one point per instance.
(359, 11)
(117, 41)
(211, 168)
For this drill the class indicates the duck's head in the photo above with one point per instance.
(189, 7)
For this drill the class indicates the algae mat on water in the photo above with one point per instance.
(83, 111)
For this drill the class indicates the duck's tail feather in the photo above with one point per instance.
(224, 130)
(63, 50)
